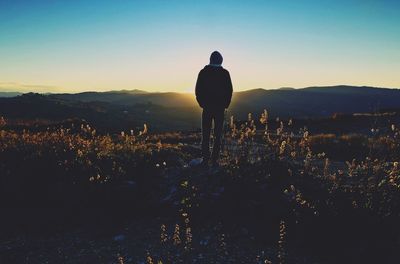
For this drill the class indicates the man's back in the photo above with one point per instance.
(214, 88)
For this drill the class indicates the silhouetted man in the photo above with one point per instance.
(213, 93)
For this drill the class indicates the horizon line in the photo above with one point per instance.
(179, 92)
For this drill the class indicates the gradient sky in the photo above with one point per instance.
(51, 46)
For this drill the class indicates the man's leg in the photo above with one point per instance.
(206, 119)
(218, 126)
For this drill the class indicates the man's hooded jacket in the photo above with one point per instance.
(214, 88)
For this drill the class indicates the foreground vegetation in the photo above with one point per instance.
(278, 196)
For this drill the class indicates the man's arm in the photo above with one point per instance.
(199, 89)
(229, 90)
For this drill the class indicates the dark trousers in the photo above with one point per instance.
(206, 120)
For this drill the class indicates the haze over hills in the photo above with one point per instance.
(170, 111)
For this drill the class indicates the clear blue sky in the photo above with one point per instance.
(161, 45)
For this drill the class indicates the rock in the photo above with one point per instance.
(119, 238)
(130, 182)
(171, 194)
(195, 162)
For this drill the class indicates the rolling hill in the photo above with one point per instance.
(170, 111)
(307, 102)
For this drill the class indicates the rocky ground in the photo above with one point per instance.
(199, 239)
(137, 241)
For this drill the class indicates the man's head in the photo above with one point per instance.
(216, 58)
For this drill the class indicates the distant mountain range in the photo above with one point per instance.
(9, 94)
(180, 111)
(314, 102)
(286, 102)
